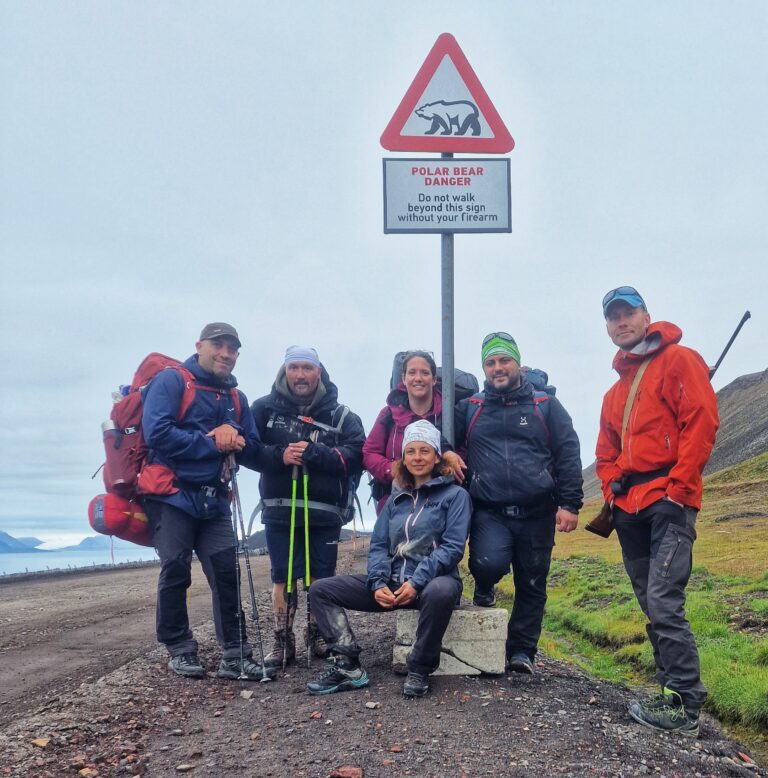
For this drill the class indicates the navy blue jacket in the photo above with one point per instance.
(419, 535)
(520, 453)
(183, 446)
(332, 459)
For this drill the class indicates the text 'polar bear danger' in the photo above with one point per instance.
(447, 176)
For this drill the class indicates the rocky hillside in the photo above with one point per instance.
(743, 434)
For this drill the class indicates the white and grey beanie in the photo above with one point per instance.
(422, 430)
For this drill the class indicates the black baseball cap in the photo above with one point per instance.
(220, 329)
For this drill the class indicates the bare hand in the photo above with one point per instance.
(565, 520)
(405, 595)
(227, 439)
(293, 453)
(457, 464)
(384, 597)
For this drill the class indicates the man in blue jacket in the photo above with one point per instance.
(523, 456)
(186, 498)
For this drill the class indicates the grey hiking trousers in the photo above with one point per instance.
(657, 547)
(176, 535)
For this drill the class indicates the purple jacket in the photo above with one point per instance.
(384, 444)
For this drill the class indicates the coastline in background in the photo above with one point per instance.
(65, 559)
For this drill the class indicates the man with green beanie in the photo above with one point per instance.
(525, 481)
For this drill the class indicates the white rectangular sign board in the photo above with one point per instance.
(447, 195)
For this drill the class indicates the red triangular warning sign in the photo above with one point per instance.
(446, 108)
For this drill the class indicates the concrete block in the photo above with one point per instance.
(474, 642)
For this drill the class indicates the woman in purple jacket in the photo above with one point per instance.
(416, 397)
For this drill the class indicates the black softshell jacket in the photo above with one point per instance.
(519, 451)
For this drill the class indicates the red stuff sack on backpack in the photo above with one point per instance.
(110, 514)
(124, 444)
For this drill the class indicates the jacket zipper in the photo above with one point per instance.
(405, 529)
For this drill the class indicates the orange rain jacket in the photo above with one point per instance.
(672, 423)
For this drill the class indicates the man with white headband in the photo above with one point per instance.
(305, 430)
(416, 546)
(525, 466)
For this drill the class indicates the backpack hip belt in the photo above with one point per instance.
(285, 502)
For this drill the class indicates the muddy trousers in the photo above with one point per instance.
(525, 543)
(657, 547)
(175, 535)
(435, 603)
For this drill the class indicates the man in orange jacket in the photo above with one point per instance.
(657, 430)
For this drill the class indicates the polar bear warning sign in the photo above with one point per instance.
(446, 109)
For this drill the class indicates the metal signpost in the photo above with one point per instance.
(446, 110)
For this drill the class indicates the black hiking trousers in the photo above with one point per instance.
(657, 546)
(524, 543)
(435, 603)
(175, 535)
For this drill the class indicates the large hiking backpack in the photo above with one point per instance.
(117, 512)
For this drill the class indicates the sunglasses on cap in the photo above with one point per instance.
(619, 291)
(503, 335)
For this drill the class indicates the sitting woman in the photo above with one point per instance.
(416, 546)
(415, 397)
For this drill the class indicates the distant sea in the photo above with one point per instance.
(69, 558)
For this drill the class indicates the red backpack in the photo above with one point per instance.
(125, 471)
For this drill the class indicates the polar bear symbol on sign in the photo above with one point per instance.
(453, 118)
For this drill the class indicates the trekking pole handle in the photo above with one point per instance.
(713, 370)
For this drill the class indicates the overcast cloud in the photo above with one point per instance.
(165, 164)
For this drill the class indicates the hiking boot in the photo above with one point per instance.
(232, 670)
(416, 685)
(341, 674)
(652, 703)
(274, 658)
(187, 665)
(520, 663)
(666, 713)
(483, 598)
(315, 641)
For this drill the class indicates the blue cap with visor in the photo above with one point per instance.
(626, 294)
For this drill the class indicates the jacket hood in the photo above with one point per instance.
(660, 335)
(328, 401)
(209, 379)
(523, 392)
(397, 402)
(439, 480)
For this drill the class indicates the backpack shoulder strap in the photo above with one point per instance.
(340, 424)
(236, 403)
(188, 393)
(475, 405)
(632, 394)
(541, 408)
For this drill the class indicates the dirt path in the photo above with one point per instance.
(140, 719)
(56, 631)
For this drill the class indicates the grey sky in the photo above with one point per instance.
(167, 164)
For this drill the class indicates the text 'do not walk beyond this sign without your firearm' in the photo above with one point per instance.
(447, 195)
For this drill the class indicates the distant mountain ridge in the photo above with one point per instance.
(743, 433)
(12, 545)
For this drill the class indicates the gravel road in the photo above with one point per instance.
(85, 691)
